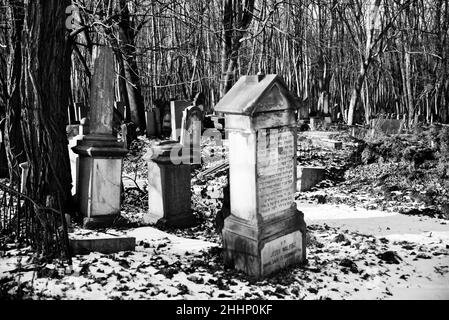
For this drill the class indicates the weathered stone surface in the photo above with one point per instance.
(151, 123)
(264, 232)
(387, 126)
(100, 153)
(328, 144)
(105, 245)
(168, 189)
(191, 128)
(99, 186)
(308, 177)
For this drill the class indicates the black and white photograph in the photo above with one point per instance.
(239, 152)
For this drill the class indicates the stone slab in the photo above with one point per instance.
(151, 123)
(387, 126)
(328, 144)
(99, 186)
(275, 172)
(308, 177)
(105, 245)
(282, 252)
(176, 110)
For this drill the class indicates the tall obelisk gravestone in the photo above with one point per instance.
(265, 232)
(101, 155)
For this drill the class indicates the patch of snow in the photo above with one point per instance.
(178, 245)
(336, 212)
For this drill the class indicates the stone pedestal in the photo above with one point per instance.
(265, 232)
(169, 187)
(100, 174)
(100, 153)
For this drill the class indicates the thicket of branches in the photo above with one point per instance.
(356, 57)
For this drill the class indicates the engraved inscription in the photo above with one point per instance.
(275, 171)
(282, 252)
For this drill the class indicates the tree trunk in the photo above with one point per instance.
(45, 89)
(237, 17)
(128, 48)
(13, 132)
(356, 92)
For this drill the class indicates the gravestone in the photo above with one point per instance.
(169, 184)
(191, 128)
(100, 152)
(71, 113)
(303, 112)
(176, 109)
(387, 126)
(81, 111)
(308, 177)
(265, 232)
(151, 122)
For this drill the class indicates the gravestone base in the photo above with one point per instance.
(98, 222)
(100, 176)
(105, 244)
(169, 192)
(185, 220)
(262, 250)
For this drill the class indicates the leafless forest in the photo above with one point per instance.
(349, 61)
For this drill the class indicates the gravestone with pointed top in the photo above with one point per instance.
(100, 152)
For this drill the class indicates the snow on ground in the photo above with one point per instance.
(358, 247)
(343, 263)
(421, 242)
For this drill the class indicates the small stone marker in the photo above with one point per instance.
(103, 243)
(176, 109)
(387, 126)
(101, 154)
(308, 177)
(191, 128)
(265, 232)
(328, 144)
(303, 112)
(169, 186)
(81, 111)
(151, 122)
